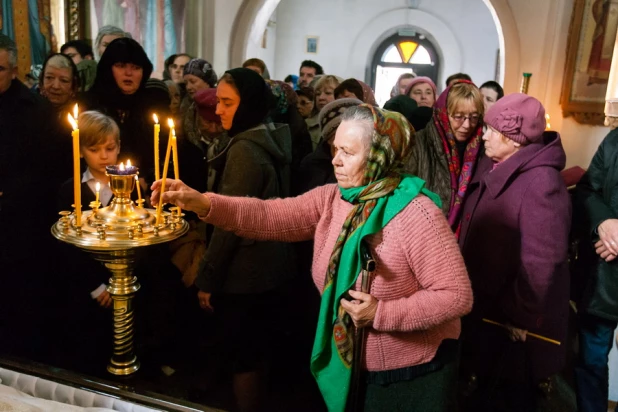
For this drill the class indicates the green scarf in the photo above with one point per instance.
(385, 193)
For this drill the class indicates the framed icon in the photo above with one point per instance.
(312, 44)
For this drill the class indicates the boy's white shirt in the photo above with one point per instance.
(105, 194)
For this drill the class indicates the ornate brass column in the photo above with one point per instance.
(112, 235)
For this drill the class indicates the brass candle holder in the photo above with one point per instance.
(112, 234)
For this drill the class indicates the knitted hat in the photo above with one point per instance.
(419, 80)
(330, 116)
(202, 69)
(206, 102)
(518, 117)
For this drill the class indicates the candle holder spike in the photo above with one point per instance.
(113, 234)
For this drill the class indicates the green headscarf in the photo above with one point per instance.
(385, 192)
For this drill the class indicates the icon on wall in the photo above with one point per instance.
(312, 44)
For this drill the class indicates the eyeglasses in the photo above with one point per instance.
(460, 118)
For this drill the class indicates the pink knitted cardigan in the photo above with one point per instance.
(420, 280)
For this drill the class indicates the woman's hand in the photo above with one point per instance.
(204, 299)
(516, 334)
(608, 232)
(603, 252)
(181, 195)
(362, 309)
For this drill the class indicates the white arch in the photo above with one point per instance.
(248, 29)
(388, 23)
(253, 15)
(508, 35)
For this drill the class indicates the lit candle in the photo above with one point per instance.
(121, 167)
(139, 191)
(165, 168)
(97, 191)
(170, 122)
(157, 129)
(77, 188)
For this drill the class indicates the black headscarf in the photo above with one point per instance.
(122, 50)
(256, 100)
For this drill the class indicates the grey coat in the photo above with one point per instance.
(257, 165)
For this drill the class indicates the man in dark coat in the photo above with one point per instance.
(514, 240)
(27, 190)
(596, 202)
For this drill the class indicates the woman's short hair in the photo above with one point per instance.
(461, 92)
(107, 30)
(95, 128)
(61, 61)
(256, 63)
(327, 81)
(495, 86)
(364, 116)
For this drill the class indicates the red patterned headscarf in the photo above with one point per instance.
(461, 174)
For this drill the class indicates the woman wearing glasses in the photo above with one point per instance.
(446, 150)
(514, 239)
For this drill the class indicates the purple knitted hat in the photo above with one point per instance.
(518, 117)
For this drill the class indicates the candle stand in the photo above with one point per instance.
(112, 235)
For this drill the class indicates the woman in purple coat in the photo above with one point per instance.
(514, 239)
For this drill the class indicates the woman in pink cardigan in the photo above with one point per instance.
(420, 287)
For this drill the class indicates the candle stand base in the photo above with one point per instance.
(113, 234)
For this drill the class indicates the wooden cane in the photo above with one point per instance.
(533, 335)
(355, 398)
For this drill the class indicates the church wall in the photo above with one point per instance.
(470, 37)
(466, 44)
(543, 30)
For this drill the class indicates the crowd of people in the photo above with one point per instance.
(455, 195)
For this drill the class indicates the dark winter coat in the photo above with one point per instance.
(428, 161)
(596, 200)
(257, 165)
(514, 239)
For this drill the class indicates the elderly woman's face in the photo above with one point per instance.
(497, 147)
(128, 76)
(464, 120)
(423, 94)
(305, 106)
(57, 85)
(194, 84)
(351, 149)
(105, 41)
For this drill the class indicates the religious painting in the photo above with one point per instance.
(592, 35)
(158, 25)
(312, 44)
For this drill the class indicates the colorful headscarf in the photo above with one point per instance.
(202, 69)
(385, 193)
(461, 174)
(284, 94)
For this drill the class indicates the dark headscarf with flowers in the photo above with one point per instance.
(385, 193)
(461, 171)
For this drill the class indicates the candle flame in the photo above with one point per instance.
(156, 119)
(98, 187)
(136, 179)
(75, 112)
(129, 163)
(121, 166)
(170, 122)
(72, 121)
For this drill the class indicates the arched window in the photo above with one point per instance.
(402, 53)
